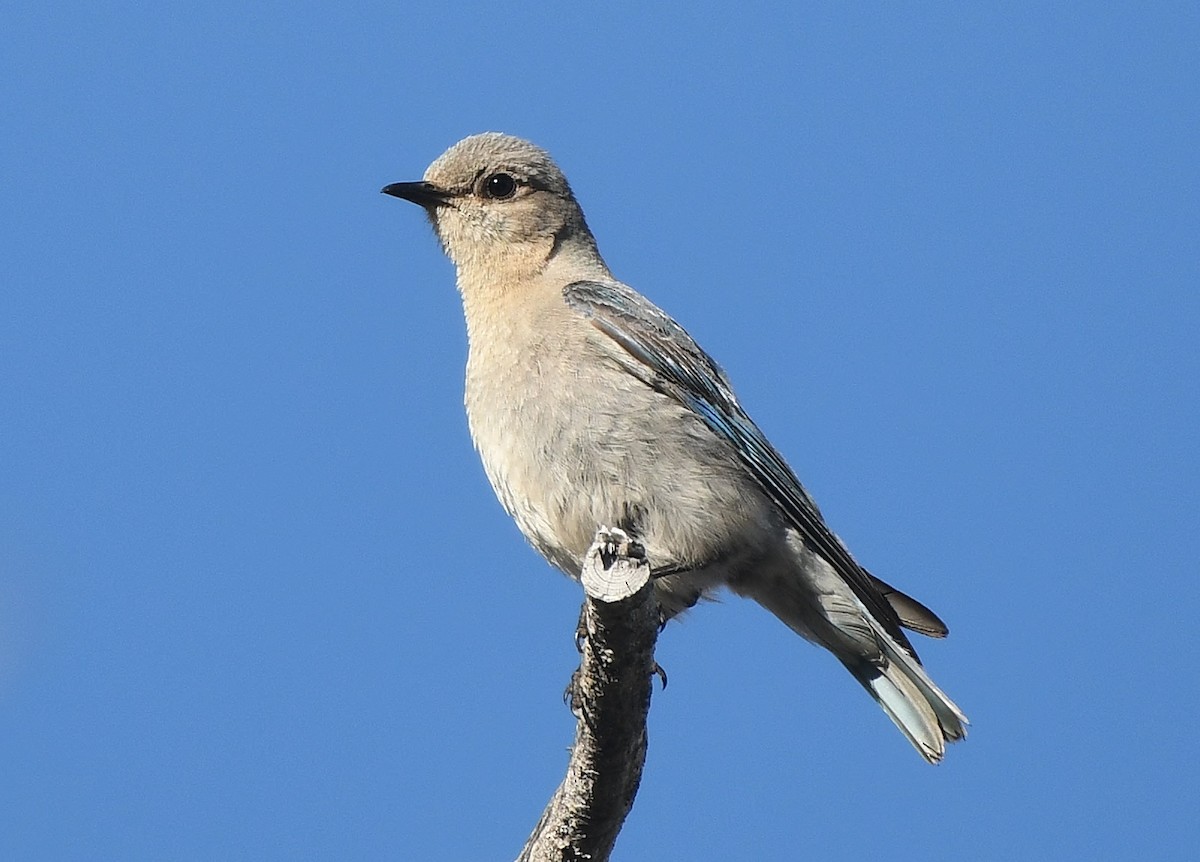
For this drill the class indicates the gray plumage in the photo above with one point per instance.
(590, 406)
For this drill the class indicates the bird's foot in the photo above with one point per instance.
(615, 544)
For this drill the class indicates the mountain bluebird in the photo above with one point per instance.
(590, 406)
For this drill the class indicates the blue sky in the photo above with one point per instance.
(256, 598)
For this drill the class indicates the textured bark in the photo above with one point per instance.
(610, 696)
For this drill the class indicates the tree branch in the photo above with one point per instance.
(610, 696)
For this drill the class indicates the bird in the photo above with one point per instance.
(590, 406)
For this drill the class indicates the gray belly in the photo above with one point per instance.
(565, 464)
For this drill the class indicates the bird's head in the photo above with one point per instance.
(495, 200)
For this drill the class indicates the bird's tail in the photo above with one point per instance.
(823, 609)
(918, 707)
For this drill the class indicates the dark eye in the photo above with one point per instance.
(499, 187)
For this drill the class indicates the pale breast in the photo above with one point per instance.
(570, 441)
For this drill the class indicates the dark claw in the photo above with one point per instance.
(661, 674)
(581, 629)
(571, 693)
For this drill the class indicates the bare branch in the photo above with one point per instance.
(610, 696)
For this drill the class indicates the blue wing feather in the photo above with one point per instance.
(669, 360)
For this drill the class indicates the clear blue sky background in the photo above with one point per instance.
(256, 598)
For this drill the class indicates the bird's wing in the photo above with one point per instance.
(669, 360)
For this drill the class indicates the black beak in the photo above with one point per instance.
(422, 194)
